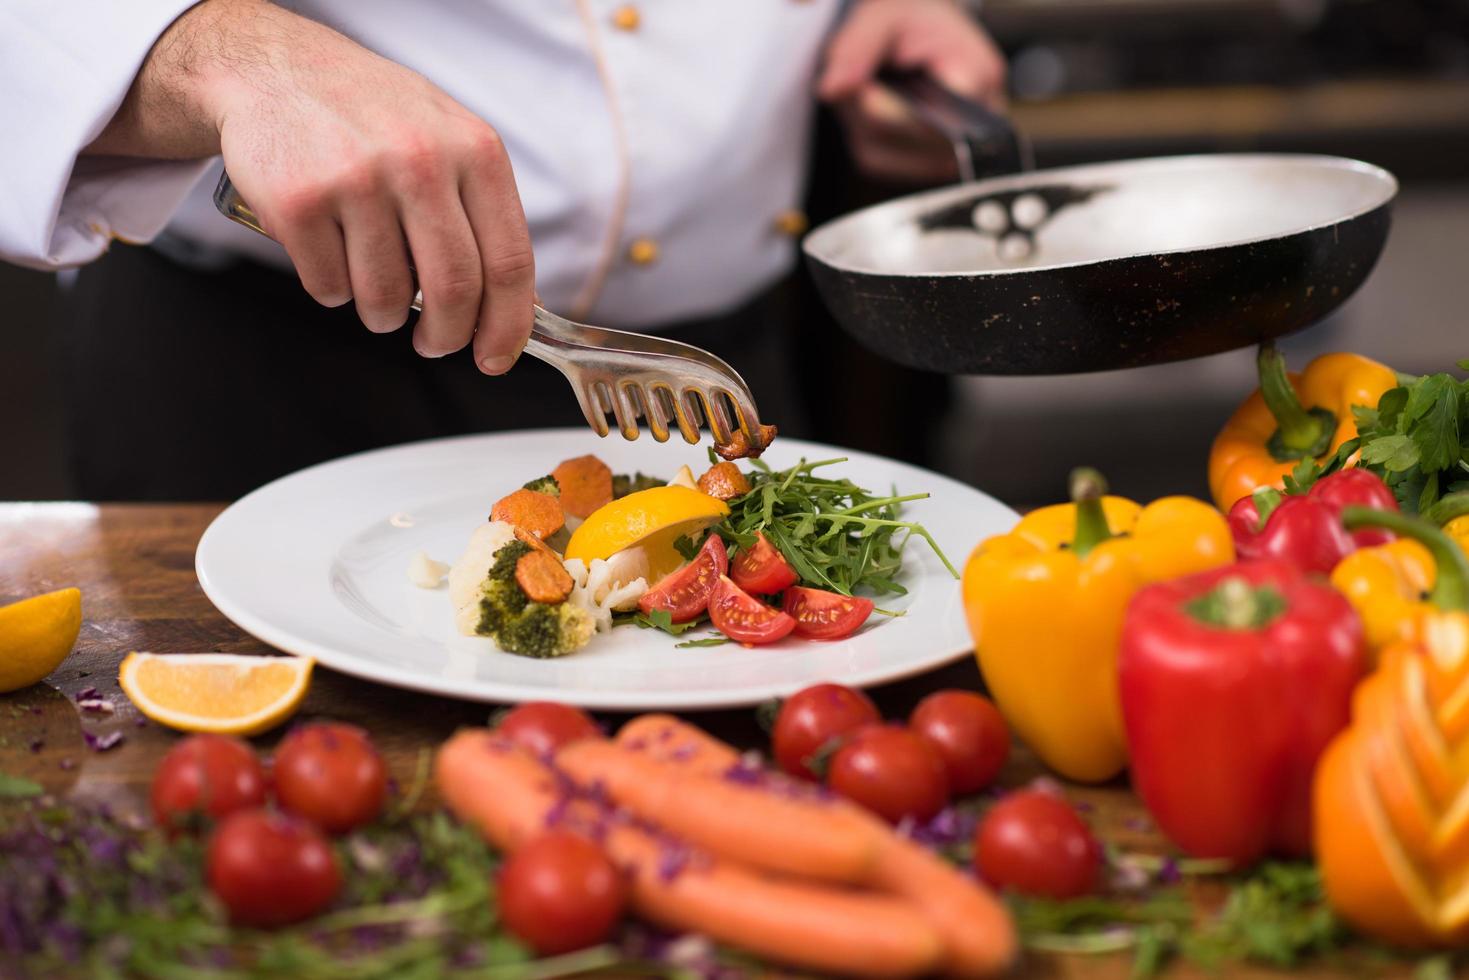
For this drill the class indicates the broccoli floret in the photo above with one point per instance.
(622, 484)
(518, 625)
(546, 484)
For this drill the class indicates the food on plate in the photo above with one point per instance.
(624, 484)
(760, 569)
(1306, 529)
(968, 733)
(1035, 843)
(745, 619)
(542, 727)
(542, 577)
(205, 776)
(900, 917)
(331, 774)
(1389, 820)
(498, 606)
(724, 481)
(739, 447)
(652, 520)
(822, 615)
(36, 634)
(1290, 419)
(1045, 605)
(1409, 589)
(1233, 681)
(270, 869)
(426, 573)
(230, 694)
(890, 771)
(684, 478)
(559, 893)
(684, 594)
(585, 484)
(813, 721)
(539, 513)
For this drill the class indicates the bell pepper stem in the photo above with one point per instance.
(1300, 432)
(1451, 585)
(1088, 487)
(1266, 500)
(1236, 604)
(1448, 507)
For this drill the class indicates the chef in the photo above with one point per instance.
(636, 165)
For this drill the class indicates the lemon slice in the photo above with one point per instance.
(651, 519)
(215, 692)
(36, 634)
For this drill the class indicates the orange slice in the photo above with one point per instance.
(215, 692)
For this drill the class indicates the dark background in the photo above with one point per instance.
(1381, 80)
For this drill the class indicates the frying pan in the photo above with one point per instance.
(1096, 267)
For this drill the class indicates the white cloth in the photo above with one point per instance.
(700, 113)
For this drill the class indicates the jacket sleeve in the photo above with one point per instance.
(64, 70)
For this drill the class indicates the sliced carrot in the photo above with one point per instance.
(774, 825)
(525, 537)
(542, 577)
(586, 484)
(538, 513)
(724, 481)
(510, 796)
(670, 739)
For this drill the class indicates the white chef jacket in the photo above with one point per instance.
(659, 146)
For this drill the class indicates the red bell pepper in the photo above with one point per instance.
(1232, 683)
(1306, 529)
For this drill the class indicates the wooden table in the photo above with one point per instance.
(135, 567)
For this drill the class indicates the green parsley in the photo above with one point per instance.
(707, 641)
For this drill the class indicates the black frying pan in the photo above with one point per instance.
(1097, 267)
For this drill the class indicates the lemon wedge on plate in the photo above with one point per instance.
(36, 634)
(650, 519)
(224, 693)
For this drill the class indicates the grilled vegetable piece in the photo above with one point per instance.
(539, 513)
(622, 484)
(546, 484)
(586, 484)
(542, 577)
(520, 625)
(724, 481)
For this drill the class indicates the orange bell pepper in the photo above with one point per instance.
(1291, 417)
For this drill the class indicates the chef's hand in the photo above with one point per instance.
(352, 163)
(937, 36)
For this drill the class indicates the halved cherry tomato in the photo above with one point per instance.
(560, 892)
(822, 615)
(968, 732)
(684, 594)
(545, 726)
(1033, 842)
(761, 569)
(813, 718)
(745, 619)
(892, 772)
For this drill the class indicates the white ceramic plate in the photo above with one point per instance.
(315, 564)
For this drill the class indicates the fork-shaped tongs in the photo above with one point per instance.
(627, 374)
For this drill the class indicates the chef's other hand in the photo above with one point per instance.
(351, 162)
(937, 36)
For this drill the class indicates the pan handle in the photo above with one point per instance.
(984, 141)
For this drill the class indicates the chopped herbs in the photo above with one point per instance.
(16, 787)
(708, 641)
(835, 534)
(660, 619)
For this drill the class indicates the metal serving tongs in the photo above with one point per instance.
(630, 375)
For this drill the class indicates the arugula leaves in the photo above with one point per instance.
(661, 619)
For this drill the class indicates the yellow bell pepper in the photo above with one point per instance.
(1401, 588)
(1452, 511)
(1291, 417)
(1045, 605)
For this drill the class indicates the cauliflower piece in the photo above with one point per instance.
(467, 574)
(426, 573)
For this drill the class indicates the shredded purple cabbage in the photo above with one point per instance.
(96, 706)
(101, 743)
(36, 744)
(85, 694)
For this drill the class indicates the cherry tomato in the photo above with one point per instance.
(206, 774)
(1033, 842)
(330, 774)
(745, 619)
(892, 772)
(271, 869)
(761, 569)
(822, 615)
(545, 726)
(815, 717)
(560, 892)
(685, 594)
(968, 733)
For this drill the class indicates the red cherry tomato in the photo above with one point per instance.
(968, 733)
(560, 892)
(761, 569)
(214, 775)
(822, 615)
(271, 869)
(685, 594)
(892, 772)
(745, 619)
(545, 726)
(330, 774)
(1033, 842)
(813, 718)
